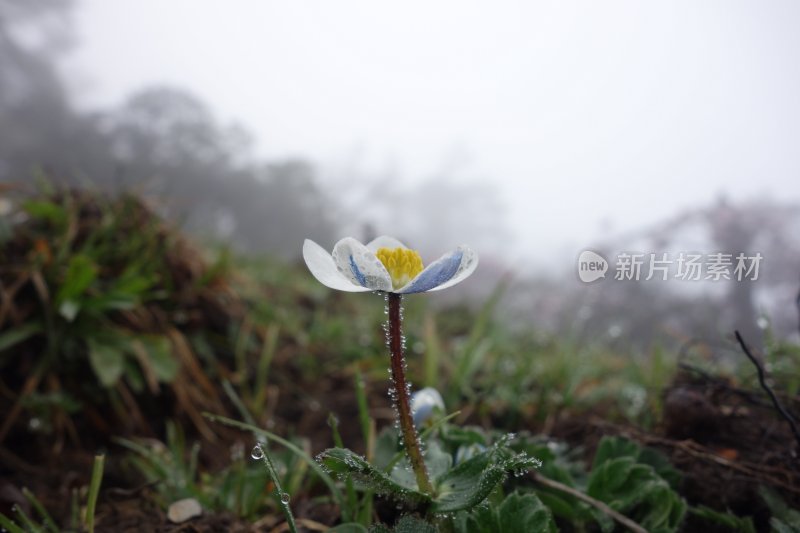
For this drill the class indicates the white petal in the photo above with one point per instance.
(321, 265)
(451, 268)
(358, 264)
(384, 241)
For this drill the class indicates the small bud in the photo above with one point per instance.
(424, 404)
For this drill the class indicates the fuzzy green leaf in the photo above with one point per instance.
(471, 482)
(614, 447)
(350, 527)
(784, 519)
(728, 520)
(437, 462)
(518, 512)
(342, 462)
(634, 488)
(406, 524)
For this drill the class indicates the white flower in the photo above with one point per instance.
(385, 264)
(424, 403)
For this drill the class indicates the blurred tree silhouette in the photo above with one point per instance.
(37, 125)
(161, 142)
(639, 313)
(167, 143)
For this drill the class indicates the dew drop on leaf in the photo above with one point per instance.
(257, 452)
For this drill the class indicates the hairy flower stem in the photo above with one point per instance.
(401, 399)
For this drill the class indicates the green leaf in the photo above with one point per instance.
(779, 526)
(565, 507)
(15, 336)
(43, 402)
(437, 462)
(107, 361)
(518, 512)
(471, 482)
(342, 462)
(661, 465)
(350, 527)
(615, 447)
(109, 301)
(81, 272)
(634, 488)
(784, 518)
(386, 446)
(406, 524)
(127, 291)
(47, 210)
(164, 363)
(456, 436)
(740, 524)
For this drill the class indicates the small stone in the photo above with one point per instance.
(183, 510)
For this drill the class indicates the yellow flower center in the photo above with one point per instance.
(403, 264)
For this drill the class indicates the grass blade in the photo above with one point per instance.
(94, 490)
(9, 526)
(323, 475)
(46, 518)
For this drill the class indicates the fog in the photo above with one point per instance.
(586, 117)
(531, 131)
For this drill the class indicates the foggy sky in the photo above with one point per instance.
(589, 116)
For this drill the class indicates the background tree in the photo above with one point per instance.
(162, 142)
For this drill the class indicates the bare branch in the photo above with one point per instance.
(597, 504)
(762, 380)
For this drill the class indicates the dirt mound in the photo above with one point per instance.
(102, 309)
(729, 442)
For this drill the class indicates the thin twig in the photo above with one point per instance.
(762, 380)
(746, 394)
(597, 504)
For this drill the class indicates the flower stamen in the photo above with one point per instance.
(402, 264)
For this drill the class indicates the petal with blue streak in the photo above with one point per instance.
(446, 271)
(359, 265)
(469, 262)
(322, 266)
